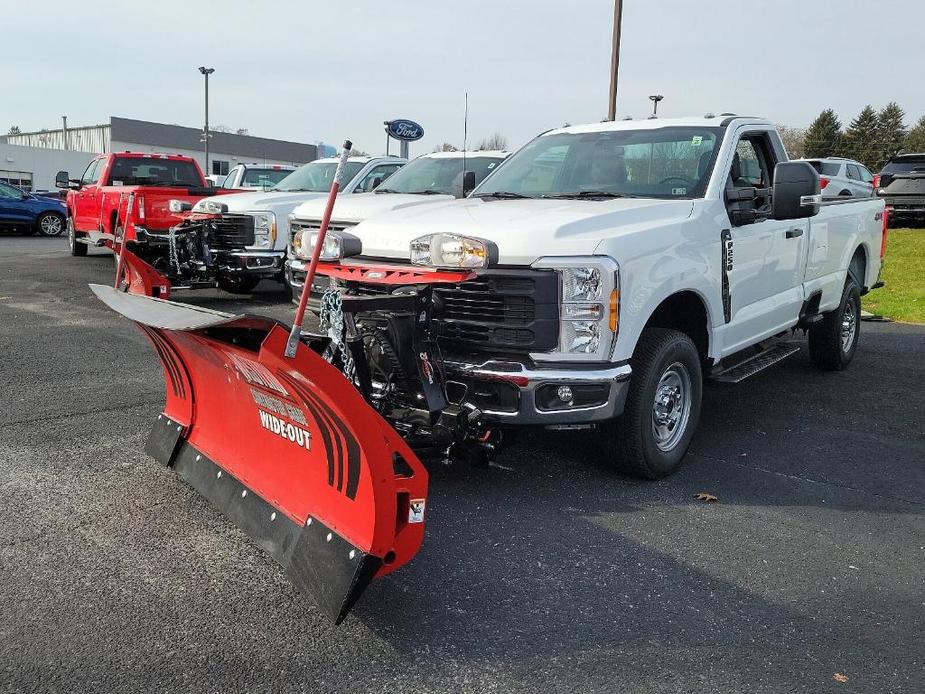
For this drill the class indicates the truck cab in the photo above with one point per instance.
(255, 176)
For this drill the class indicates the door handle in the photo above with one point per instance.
(794, 233)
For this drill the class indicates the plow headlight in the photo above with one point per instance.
(264, 229)
(452, 251)
(209, 206)
(337, 244)
(177, 206)
(589, 311)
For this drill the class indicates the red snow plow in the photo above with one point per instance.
(307, 441)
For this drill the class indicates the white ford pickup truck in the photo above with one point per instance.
(617, 265)
(254, 226)
(431, 178)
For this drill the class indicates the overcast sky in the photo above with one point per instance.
(308, 71)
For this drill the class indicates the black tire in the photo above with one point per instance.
(630, 442)
(845, 194)
(77, 249)
(834, 340)
(237, 284)
(50, 224)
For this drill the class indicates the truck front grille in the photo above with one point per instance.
(231, 232)
(498, 311)
(297, 225)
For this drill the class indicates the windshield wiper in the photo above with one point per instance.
(502, 195)
(426, 192)
(588, 194)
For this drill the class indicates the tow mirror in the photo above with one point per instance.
(468, 182)
(62, 180)
(797, 191)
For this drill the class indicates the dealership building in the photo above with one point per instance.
(31, 159)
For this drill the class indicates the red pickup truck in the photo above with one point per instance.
(97, 202)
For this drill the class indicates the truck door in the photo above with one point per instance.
(87, 200)
(764, 258)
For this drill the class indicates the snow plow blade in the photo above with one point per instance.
(287, 448)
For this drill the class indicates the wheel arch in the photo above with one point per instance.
(686, 311)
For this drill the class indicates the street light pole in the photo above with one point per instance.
(655, 98)
(206, 71)
(615, 57)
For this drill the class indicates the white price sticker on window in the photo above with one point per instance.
(696, 140)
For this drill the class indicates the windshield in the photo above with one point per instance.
(671, 162)
(317, 176)
(263, 178)
(152, 171)
(438, 175)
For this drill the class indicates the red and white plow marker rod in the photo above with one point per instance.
(296, 333)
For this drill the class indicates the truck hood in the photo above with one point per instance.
(281, 203)
(357, 207)
(523, 230)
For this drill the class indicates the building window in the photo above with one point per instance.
(23, 179)
(219, 167)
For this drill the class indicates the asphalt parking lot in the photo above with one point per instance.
(546, 573)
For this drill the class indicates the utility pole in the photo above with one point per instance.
(655, 98)
(206, 71)
(615, 58)
(64, 121)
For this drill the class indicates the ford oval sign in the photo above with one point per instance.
(404, 130)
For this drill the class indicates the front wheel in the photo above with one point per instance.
(77, 248)
(662, 407)
(237, 284)
(834, 340)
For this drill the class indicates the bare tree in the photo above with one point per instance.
(357, 153)
(446, 147)
(496, 141)
(242, 131)
(14, 130)
(794, 139)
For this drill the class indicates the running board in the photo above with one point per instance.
(768, 357)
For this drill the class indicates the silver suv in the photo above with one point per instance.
(843, 177)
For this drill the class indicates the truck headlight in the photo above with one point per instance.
(337, 244)
(452, 251)
(589, 307)
(264, 229)
(177, 206)
(209, 206)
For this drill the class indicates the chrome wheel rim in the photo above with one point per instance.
(849, 326)
(50, 225)
(671, 409)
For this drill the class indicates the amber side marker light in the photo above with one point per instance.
(614, 310)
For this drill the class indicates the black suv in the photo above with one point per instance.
(902, 185)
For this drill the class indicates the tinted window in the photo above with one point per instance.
(826, 168)
(263, 178)
(439, 174)
(905, 165)
(853, 172)
(153, 171)
(653, 162)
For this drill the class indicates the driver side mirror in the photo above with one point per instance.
(797, 191)
(468, 182)
(62, 180)
(376, 183)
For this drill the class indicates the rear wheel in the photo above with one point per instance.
(77, 248)
(834, 340)
(237, 284)
(50, 224)
(662, 407)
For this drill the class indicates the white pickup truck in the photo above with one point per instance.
(428, 179)
(253, 227)
(255, 176)
(617, 265)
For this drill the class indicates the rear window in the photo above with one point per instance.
(905, 165)
(826, 168)
(152, 171)
(264, 178)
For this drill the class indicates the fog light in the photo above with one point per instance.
(565, 394)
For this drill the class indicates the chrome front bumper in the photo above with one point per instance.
(529, 378)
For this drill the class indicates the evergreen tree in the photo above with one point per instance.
(892, 131)
(915, 140)
(862, 139)
(824, 136)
